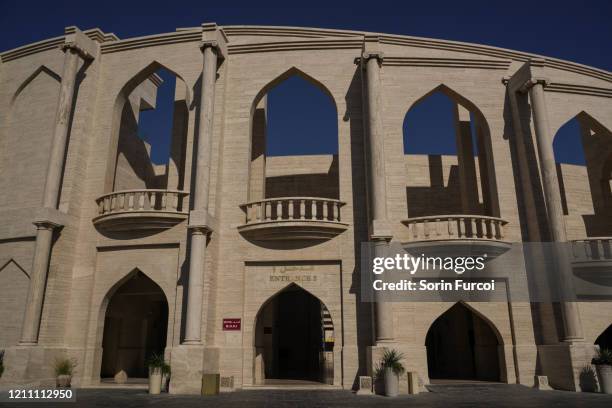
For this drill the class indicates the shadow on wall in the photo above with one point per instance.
(583, 152)
(437, 198)
(306, 185)
(134, 167)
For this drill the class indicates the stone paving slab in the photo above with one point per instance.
(442, 397)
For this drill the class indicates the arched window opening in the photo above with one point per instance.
(152, 133)
(135, 327)
(448, 157)
(294, 150)
(463, 346)
(583, 155)
(294, 339)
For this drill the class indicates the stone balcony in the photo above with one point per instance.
(592, 262)
(148, 209)
(293, 218)
(462, 232)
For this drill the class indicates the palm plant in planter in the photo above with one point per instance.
(391, 368)
(603, 365)
(64, 369)
(156, 365)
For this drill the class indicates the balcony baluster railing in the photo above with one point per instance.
(141, 209)
(293, 218)
(455, 227)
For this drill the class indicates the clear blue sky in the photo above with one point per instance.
(574, 30)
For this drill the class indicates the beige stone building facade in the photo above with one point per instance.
(231, 263)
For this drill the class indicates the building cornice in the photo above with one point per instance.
(34, 48)
(324, 44)
(94, 34)
(151, 41)
(421, 42)
(578, 89)
(491, 51)
(314, 38)
(286, 31)
(447, 62)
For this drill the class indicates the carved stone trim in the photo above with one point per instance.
(379, 55)
(73, 46)
(46, 225)
(531, 82)
(214, 44)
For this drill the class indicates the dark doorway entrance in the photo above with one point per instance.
(462, 346)
(604, 341)
(135, 327)
(294, 338)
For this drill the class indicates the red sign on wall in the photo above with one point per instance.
(231, 324)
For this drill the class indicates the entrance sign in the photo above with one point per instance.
(231, 324)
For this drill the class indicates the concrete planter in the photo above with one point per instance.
(63, 381)
(391, 383)
(164, 382)
(155, 380)
(604, 376)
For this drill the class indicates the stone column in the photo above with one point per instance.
(552, 195)
(465, 160)
(45, 228)
(257, 173)
(380, 233)
(199, 219)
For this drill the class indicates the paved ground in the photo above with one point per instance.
(445, 397)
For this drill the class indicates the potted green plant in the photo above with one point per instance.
(603, 366)
(392, 368)
(156, 364)
(165, 377)
(64, 369)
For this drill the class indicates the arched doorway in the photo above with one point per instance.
(135, 327)
(462, 346)
(604, 341)
(294, 339)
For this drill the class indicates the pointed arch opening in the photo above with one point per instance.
(583, 155)
(294, 140)
(462, 345)
(294, 339)
(135, 327)
(149, 132)
(449, 159)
